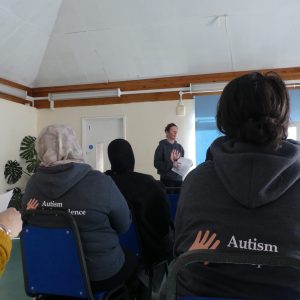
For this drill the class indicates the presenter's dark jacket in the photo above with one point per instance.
(162, 160)
(100, 210)
(250, 197)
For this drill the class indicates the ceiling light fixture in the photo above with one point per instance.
(84, 95)
(216, 87)
(180, 108)
(207, 87)
(6, 89)
(292, 83)
(193, 88)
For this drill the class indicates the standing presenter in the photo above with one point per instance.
(166, 157)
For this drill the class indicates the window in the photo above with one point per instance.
(292, 132)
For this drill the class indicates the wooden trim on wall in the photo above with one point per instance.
(162, 83)
(125, 99)
(16, 85)
(15, 99)
(136, 85)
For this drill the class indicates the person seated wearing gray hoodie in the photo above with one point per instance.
(63, 181)
(248, 194)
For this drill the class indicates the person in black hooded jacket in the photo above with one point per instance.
(147, 200)
(248, 194)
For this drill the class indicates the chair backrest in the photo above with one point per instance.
(203, 298)
(173, 202)
(195, 256)
(52, 256)
(129, 240)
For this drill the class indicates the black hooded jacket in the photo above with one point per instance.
(147, 200)
(250, 197)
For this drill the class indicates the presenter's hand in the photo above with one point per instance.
(175, 155)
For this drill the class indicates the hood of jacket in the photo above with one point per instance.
(166, 142)
(55, 181)
(255, 175)
(121, 156)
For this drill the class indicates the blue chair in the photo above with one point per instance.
(196, 256)
(204, 298)
(173, 202)
(53, 258)
(129, 240)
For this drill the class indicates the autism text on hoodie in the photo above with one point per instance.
(251, 244)
(59, 204)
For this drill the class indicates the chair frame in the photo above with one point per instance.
(58, 218)
(148, 268)
(134, 232)
(194, 256)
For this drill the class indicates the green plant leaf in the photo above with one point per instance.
(32, 165)
(27, 150)
(12, 171)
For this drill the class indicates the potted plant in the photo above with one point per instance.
(13, 170)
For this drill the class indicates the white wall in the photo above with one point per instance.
(145, 123)
(17, 121)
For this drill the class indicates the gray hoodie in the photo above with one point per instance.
(96, 203)
(162, 160)
(249, 196)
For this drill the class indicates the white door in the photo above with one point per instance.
(97, 133)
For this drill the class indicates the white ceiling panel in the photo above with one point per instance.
(25, 28)
(53, 42)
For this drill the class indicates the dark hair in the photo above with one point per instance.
(255, 108)
(168, 127)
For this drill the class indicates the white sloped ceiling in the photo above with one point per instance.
(51, 42)
(25, 28)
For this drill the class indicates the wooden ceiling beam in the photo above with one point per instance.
(162, 83)
(135, 85)
(16, 86)
(14, 99)
(125, 99)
